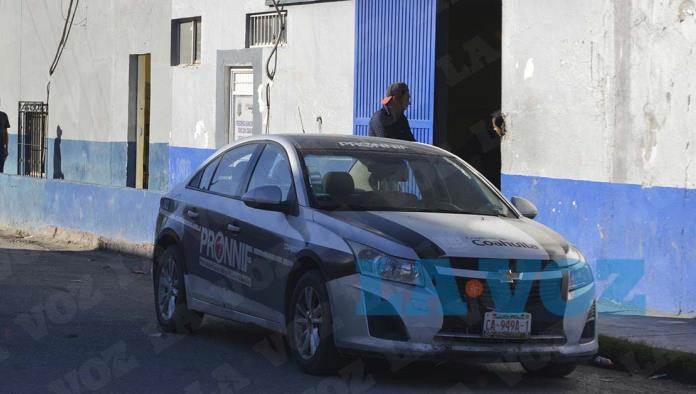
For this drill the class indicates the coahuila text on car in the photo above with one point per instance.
(357, 245)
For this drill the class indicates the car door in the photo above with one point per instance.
(265, 231)
(221, 251)
(192, 199)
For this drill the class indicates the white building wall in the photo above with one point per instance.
(601, 102)
(89, 90)
(601, 90)
(315, 69)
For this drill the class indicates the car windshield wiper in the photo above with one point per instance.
(443, 210)
(342, 207)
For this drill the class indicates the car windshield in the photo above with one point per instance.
(383, 181)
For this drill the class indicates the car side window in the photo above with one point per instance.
(272, 169)
(202, 180)
(229, 175)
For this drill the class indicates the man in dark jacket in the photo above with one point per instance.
(390, 121)
(491, 161)
(482, 148)
(4, 139)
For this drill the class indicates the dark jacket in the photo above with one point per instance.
(384, 124)
(4, 124)
(482, 151)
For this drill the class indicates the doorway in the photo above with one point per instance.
(468, 78)
(137, 169)
(241, 119)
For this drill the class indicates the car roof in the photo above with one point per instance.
(351, 142)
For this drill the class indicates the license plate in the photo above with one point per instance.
(507, 325)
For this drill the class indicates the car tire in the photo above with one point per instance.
(172, 312)
(310, 329)
(549, 369)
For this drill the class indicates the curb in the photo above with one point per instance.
(650, 361)
(90, 240)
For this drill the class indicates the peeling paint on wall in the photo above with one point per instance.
(649, 151)
(200, 136)
(686, 9)
(529, 69)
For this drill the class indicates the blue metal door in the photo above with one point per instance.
(395, 42)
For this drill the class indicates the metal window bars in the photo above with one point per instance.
(262, 29)
(31, 139)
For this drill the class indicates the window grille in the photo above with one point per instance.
(31, 141)
(263, 29)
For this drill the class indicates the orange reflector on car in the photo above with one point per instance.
(474, 288)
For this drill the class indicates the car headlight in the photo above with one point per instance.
(580, 272)
(375, 263)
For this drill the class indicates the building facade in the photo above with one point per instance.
(597, 96)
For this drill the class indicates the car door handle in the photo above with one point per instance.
(232, 228)
(192, 214)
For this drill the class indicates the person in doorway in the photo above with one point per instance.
(4, 139)
(491, 163)
(390, 121)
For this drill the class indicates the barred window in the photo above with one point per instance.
(263, 29)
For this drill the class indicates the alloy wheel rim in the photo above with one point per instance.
(167, 291)
(307, 323)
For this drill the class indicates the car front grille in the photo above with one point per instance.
(544, 297)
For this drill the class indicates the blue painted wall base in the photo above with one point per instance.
(118, 213)
(183, 161)
(100, 163)
(640, 241)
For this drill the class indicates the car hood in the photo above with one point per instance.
(433, 235)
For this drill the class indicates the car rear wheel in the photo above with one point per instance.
(170, 294)
(549, 369)
(310, 327)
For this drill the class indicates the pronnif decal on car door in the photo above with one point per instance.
(230, 257)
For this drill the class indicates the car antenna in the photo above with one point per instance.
(301, 122)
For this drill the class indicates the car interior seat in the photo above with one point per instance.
(340, 186)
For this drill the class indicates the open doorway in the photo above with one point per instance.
(469, 80)
(137, 169)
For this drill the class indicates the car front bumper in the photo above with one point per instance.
(421, 312)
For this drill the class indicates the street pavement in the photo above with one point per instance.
(76, 320)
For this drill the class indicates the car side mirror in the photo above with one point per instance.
(526, 208)
(268, 198)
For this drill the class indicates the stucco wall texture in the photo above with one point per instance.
(113, 212)
(89, 91)
(601, 90)
(599, 96)
(314, 74)
(89, 96)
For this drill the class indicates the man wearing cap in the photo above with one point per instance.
(390, 121)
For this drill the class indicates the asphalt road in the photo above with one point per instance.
(75, 320)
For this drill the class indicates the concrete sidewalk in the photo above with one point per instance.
(650, 345)
(661, 332)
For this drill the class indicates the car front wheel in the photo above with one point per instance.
(310, 331)
(170, 294)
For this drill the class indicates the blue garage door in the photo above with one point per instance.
(395, 41)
